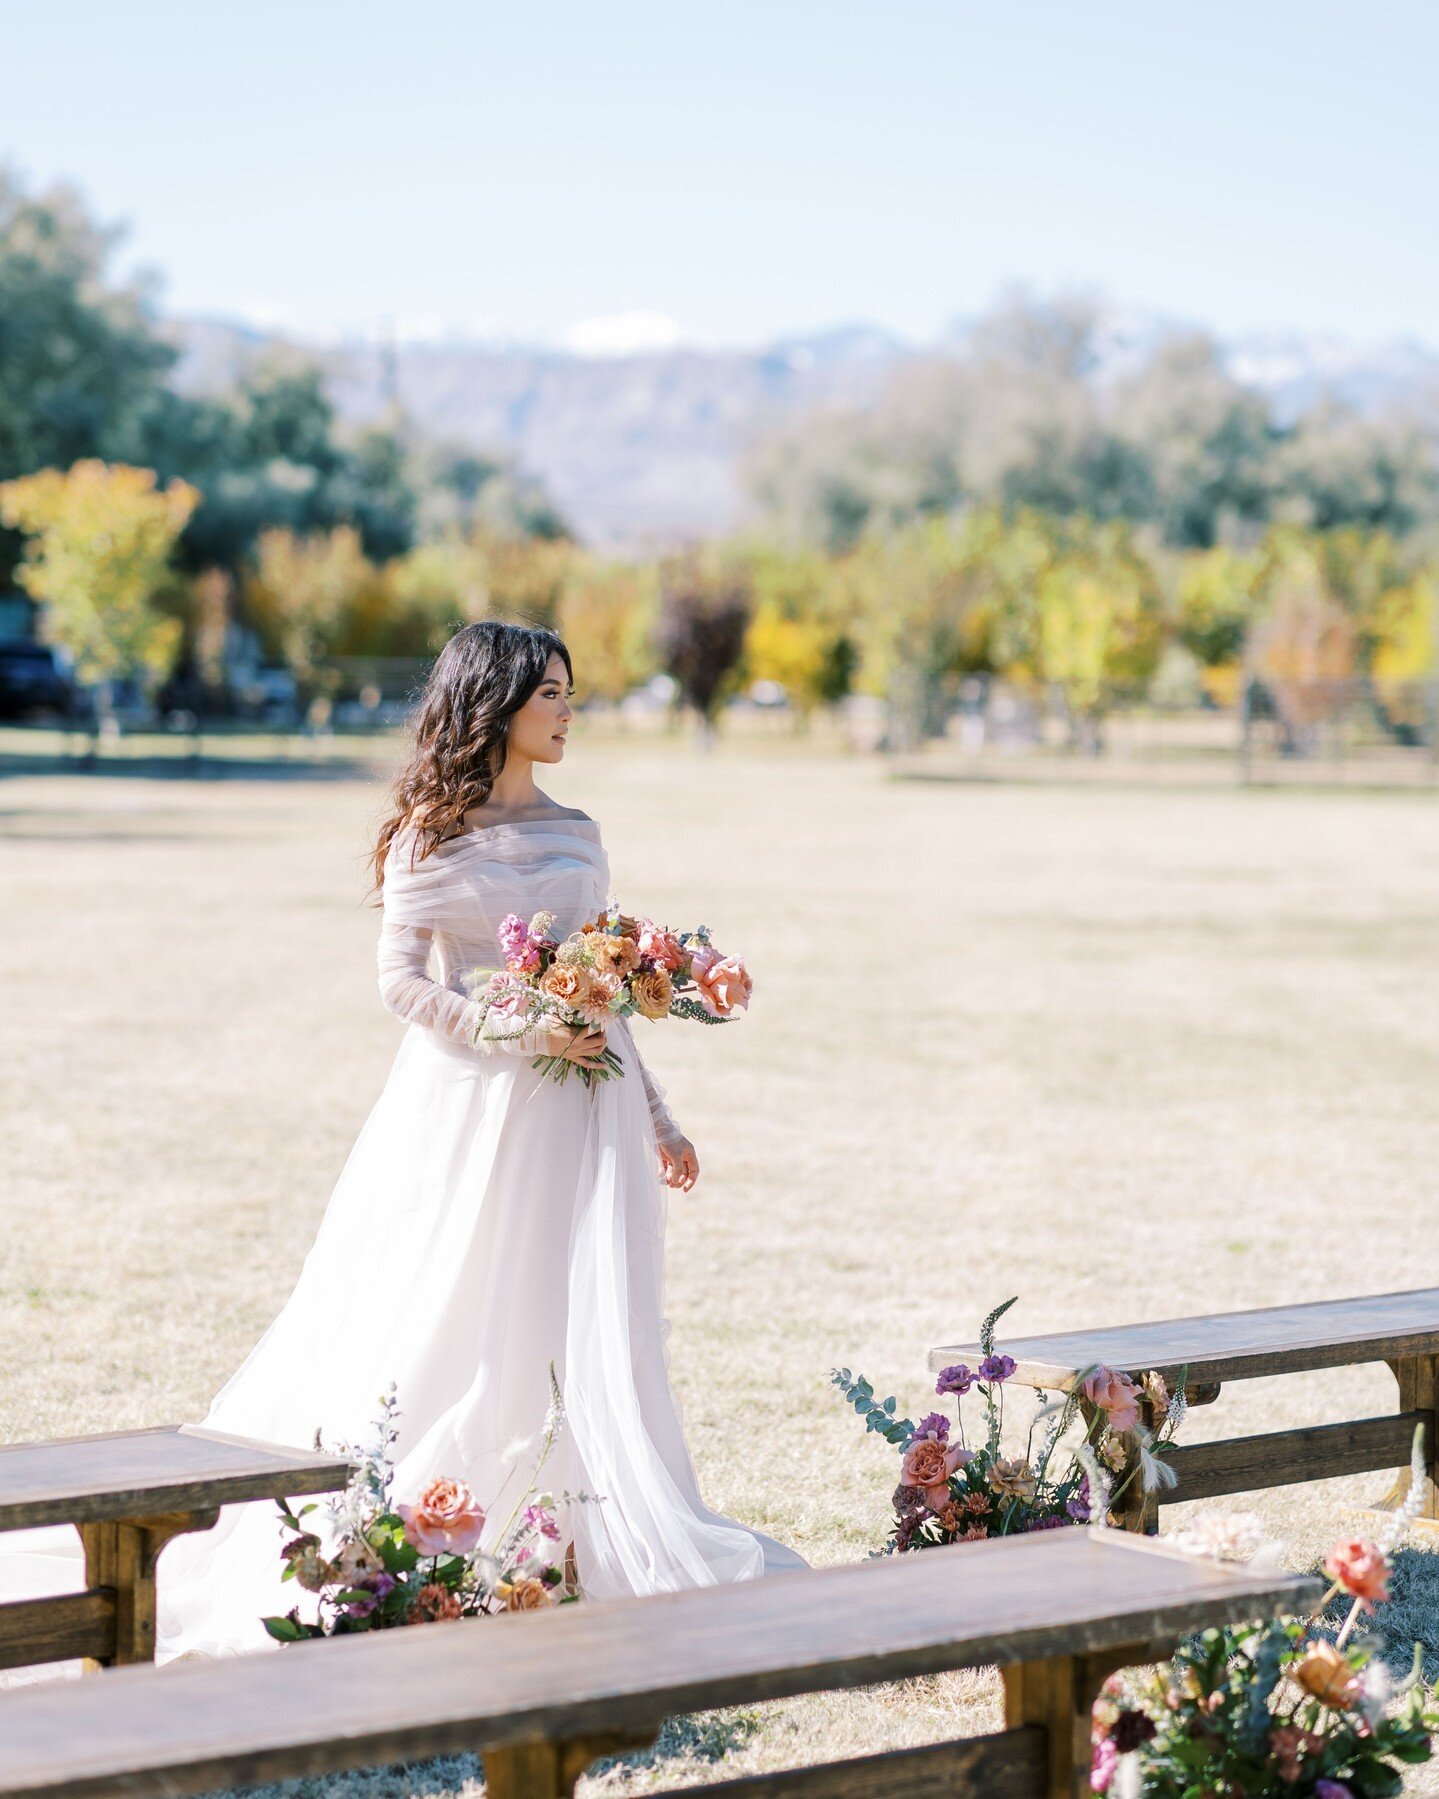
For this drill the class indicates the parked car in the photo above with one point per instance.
(34, 682)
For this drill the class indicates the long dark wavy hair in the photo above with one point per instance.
(481, 678)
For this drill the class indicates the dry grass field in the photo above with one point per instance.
(1124, 1052)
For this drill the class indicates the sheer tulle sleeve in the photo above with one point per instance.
(667, 1133)
(415, 899)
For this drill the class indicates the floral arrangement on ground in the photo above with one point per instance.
(1084, 1449)
(376, 1563)
(1273, 1710)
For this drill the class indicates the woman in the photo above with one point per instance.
(488, 1221)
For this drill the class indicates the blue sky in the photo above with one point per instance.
(738, 171)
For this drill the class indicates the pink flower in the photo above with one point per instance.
(722, 982)
(521, 951)
(446, 1519)
(927, 1466)
(1116, 1396)
(1360, 1568)
(1103, 1765)
(659, 946)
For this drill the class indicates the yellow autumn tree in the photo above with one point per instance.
(101, 536)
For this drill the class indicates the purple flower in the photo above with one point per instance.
(957, 1379)
(996, 1368)
(542, 1519)
(935, 1427)
(1333, 1789)
(1078, 1504)
(1050, 1523)
(376, 1589)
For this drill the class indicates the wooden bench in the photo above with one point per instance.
(543, 1694)
(1204, 1352)
(128, 1493)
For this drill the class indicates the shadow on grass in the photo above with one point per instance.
(189, 768)
(682, 1743)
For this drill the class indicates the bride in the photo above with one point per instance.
(488, 1221)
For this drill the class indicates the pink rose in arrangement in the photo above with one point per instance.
(659, 946)
(722, 983)
(1116, 1396)
(446, 1519)
(1360, 1568)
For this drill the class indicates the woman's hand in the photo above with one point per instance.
(581, 1044)
(679, 1164)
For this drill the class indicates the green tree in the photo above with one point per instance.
(98, 555)
(80, 360)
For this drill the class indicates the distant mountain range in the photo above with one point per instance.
(646, 446)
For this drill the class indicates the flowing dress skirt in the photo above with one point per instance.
(487, 1223)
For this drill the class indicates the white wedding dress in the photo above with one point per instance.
(487, 1222)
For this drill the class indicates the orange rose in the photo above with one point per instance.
(567, 981)
(525, 1595)
(615, 955)
(446, 1519)
(652, 991)
(435, 1604)
(1325, 1672)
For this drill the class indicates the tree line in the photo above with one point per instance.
(1004, 515)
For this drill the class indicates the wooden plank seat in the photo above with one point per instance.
(128, 1493)
(543, 1694)
(1205, 1351)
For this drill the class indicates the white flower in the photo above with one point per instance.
(1224, 1536)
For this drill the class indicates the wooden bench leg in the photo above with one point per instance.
(1059, 1695)
(121, 1556)
(1418, 1378)
(550, 1770)
(1134, 1510)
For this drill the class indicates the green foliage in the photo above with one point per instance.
(879, 1415)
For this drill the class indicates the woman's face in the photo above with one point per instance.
(538, 729)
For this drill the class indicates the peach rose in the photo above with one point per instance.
(1325, 1672)
(1116, 1396)
(446, 1519)
(1360, 1568)
(656, 944)
(927, 1467)
(652, 991)
(525, 1595)
(615, 955)
(722, 982)
(567, 981)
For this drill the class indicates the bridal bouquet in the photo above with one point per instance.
(612, 967)
(1082, 1450)
(381, 1564)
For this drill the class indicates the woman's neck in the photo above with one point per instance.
(514, 788)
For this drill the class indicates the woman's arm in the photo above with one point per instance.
(403, 959)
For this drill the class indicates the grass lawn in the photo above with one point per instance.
(1124, 1052)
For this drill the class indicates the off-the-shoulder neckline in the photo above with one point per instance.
(518, 824)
